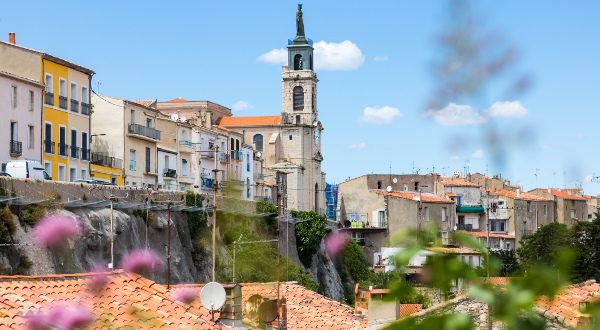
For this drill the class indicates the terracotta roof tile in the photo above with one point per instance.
(146, 103)
(452, 250)
(409, 309)
(458, 182)
(565, 304)
(567, 195)
(178, 100)
(424, 197)
(522, 195)
(249, 121)
(114, 304)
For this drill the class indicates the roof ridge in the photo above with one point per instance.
(116, 272)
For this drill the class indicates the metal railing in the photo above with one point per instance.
(74, 105)
(74, 151)
(62, 149)
(207, 182)
(170, 173)
(49, 98)
(85, 108)
(105, 160)
(62, 102)
(16, 148)
(223, 157)
(144, 131)
(237, 155)
(186, 143)
(49, 147)
(85, 154)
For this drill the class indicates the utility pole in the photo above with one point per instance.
(214, 215)
(281, 179)
(168, 233)
(107, 194)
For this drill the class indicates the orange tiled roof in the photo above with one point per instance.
(458, 182)
(126, 299)
(306, 309)
(178, 100)
(250, 121)
(566, 303)
(513, 195)
(494, 235)
(567, 195)
(452, 250)
(497, 280)
(409, 309)
(424, 197)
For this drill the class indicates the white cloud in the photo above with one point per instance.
(457, 115)
(358, 146)
(276, 56)
(241, 106)
(344, 55)
(478, 154)
(381, 58)
(379, 115)
(507, 109)
(454, 157)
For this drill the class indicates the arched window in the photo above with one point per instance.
(298, 98)
(316, 197)
(298, 62)
(257, 140)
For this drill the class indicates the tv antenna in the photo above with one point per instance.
(212, 297)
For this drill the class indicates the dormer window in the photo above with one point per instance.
(298, 98)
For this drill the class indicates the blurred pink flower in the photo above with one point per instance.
(99, 278)
(185, 295)
(140, 261)
(53, 231)
(60, 316)
(335, 243)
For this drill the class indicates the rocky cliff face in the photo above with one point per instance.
(130, 232)
(324, 270)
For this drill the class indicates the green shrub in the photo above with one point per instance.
(309, 234)
(28, 214)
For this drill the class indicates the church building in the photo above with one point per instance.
(291, 142)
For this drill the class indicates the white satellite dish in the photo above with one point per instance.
(174, 117)
(258, 154)
(395, 180)
(212, 296)
(389, 189)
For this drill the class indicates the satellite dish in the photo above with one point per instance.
(174, 117)
(389, 189)
(268, 311)
(258, 154)
(395, 180)
(212, 296)
(182, 118)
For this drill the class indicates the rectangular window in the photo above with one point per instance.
(149, 122)
(62, 141)
(444, 237)
(72, 174)
(14, 132)
(48, 144)
(132, 117)
(545, 209)
(73, 144)
(147, 160)
(31, 100)
(381, 218)
(573, 214)
(132, 165)
(443, 214)
(61, 172)
(83, 174)
(85, 152)
(74, 92)
(31, 137)
(48, 168)
(167, 162)
(184, 165)
(84, 95)
(49, 84)
(62, 87)
(13, 96)
(426, 213)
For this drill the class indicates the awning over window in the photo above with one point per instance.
(470, 209)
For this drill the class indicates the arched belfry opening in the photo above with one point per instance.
(298, 62)
(298, 98)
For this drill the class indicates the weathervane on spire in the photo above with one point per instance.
(299, 22)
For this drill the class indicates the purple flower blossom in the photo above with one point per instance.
(53, 231)
(60, 316)
(335, 243)
(99, 278)
(140, 261)
(185, 295)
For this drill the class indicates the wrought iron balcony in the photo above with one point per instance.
(170, 173)
(74, 151)
(49, 98)
(223, 157)
(74, 105)
(186, 143)
(85, 154)
(148, 132)
(105, 160)
(49, 147)
(62, 102)
(207, 182)
(62, 149)
(85, 108)
(16, 148)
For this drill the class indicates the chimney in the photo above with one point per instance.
(12, 38)
(231, 313)
(518, 193)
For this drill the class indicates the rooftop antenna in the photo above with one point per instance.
(413, 167)
(595, 178)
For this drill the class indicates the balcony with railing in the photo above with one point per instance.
(62, 102)
(85, 154)
(237, 155)
(62, 149)
(186, 146)
(16, 148)
(207, 182)
(49, 147)
(208, 155)
(144, 131)
(170, 173)
(85, 108)
(223, 157)
(74, 151)
(74, 105)
(49, 98)
(105, 160)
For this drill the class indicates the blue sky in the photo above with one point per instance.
(212, 50)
